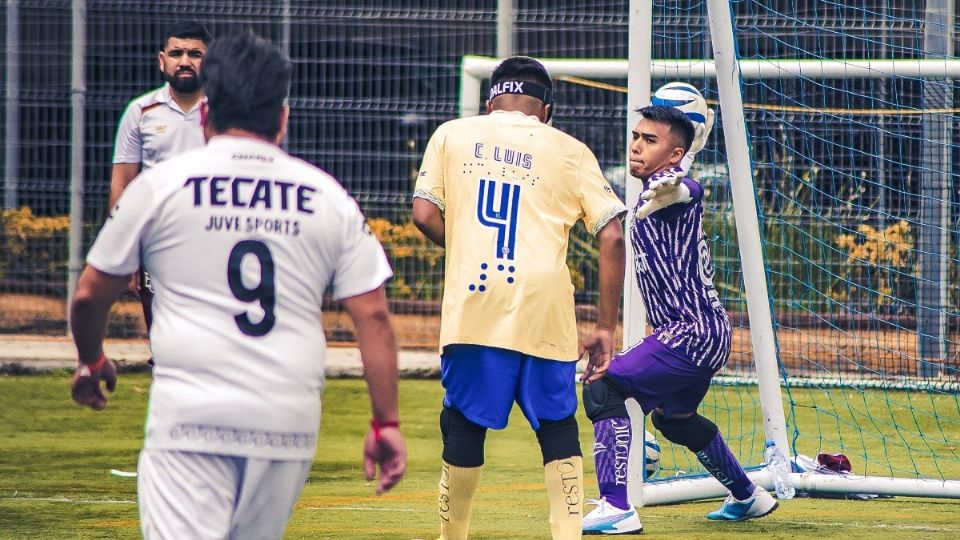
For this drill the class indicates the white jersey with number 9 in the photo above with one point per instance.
(241, 240)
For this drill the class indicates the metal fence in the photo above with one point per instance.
(374, 78)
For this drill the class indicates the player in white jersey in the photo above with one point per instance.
(668, 372)
(500, 192)
(162, 123)
(242, 240)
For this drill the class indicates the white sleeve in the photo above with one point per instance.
(362, 266)
(128, 146)
(117, 248)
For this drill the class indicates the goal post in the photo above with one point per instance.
(727, 73)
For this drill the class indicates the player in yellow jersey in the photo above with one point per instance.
(501, 192)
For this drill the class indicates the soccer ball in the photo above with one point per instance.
(651, 455)
(684, 97)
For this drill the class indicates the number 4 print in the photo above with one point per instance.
(502, 217)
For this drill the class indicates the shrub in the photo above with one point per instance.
(417, 263)
(34, 247)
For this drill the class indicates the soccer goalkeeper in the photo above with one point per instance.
(668, 372)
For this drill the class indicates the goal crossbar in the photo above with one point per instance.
(474, 69)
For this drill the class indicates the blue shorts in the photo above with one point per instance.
(659, 377)
(483, 382)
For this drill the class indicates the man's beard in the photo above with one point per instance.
(184, 85)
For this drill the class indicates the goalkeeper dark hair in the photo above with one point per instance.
(523, 69)
(679, 124)
(187, 30)
(246, 80)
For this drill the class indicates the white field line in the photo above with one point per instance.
(858, 525)
(367, 509)
(16, 497)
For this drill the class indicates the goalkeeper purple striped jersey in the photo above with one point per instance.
(675, 275)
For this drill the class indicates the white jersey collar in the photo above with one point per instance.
(165, 95)
(252, 144)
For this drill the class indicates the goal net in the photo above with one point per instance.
(848, 146)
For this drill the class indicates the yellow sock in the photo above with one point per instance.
(457, 486)
(564, 479)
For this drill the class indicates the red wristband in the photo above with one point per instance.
(99, 363)
(376, 426)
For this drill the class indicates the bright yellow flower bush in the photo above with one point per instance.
(878, 259)
(33, 243)
(415, 260)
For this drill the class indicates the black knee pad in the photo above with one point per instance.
(604, 399)
(462, 439)
(694, 432)
(559, 439)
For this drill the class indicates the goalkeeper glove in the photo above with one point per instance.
(663, 189)
(701, 132)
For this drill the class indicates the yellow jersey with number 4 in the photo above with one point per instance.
(511, 188)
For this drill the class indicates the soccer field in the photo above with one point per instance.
(55, 481)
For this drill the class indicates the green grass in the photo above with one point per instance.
(883, 432)
(55, 458)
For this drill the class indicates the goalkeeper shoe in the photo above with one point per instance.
(758, 505)
(608, 519)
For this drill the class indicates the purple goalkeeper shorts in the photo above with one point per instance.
(659, 377)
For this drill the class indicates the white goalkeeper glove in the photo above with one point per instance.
(701, 133)
(663, 189)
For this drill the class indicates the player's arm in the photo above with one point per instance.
(120, 177)
(384, 445)
(95, 294)
(600, 343)
(428, 217)
(429, 194)
(127, 151)
(612, 266)
(378, 351)
(664, 188)
(113, 256)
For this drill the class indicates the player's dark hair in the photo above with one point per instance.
(187, 30)
(246, 80)
(521, 68)
(522, 75)
(675, 118)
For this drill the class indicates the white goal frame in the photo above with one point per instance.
(728, 70)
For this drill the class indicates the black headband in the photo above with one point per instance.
(521, 87)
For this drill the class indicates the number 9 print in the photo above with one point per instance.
(264, 292)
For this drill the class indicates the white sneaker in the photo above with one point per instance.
(758, 505)
(608, 519)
